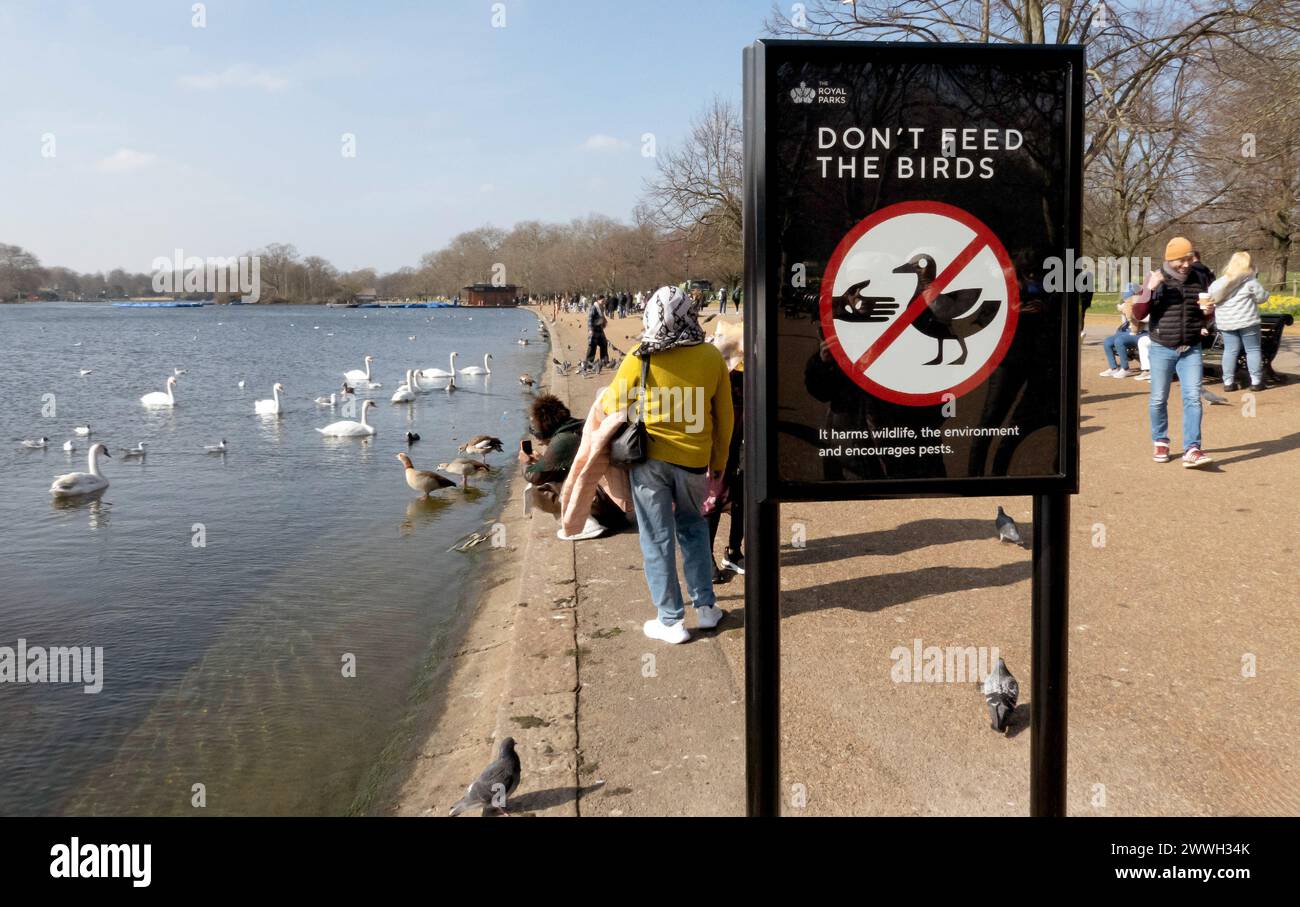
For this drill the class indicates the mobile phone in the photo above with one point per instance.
(526, 446)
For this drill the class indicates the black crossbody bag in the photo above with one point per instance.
(631, 443)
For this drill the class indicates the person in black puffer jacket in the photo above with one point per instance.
(1171, 297)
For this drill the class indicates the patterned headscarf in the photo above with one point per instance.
(671, 320)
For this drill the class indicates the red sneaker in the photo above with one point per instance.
(1193, 458)
(1161, 454)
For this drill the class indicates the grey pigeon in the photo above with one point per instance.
(498, 781)
(1001, 692)
(1212, 397)
(1008, 531)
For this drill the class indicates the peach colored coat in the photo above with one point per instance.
(591, 468)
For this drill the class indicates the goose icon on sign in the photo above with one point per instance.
(937, 276)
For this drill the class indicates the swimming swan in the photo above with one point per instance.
(484, 369)
(439, 373)
(78, 483)
(356, 375)
(158, 398)
(269, 407)
(348, 428)
(406, 393)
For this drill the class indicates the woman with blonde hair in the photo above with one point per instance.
(1237, 295)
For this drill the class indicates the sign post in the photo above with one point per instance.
(912, 224)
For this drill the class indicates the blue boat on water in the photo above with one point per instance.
(158, 305)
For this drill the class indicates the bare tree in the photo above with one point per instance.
(699, 186)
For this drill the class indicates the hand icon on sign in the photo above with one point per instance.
(852, 306)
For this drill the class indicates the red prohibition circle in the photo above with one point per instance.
(827, 294)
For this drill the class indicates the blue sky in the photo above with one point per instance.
(222, 139)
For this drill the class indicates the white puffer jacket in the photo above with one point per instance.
(1239, 307)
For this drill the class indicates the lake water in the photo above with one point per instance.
(223, 664)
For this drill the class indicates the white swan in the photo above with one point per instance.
(269, 407)
(348, 428)
(158, 398)
(484, 369)
(439, 373)
(77, 483)
(356, 375)
(406, 393)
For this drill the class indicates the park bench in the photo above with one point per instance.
(1270, 341)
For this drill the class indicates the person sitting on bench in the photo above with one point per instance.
(1124, 339)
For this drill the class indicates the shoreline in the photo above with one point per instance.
(479, 671)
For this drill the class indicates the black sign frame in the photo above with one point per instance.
(764, 491)
(761, 269)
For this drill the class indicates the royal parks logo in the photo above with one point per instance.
(803, 93)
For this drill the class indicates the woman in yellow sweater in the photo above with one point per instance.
(686, 406)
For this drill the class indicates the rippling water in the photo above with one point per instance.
(223, 663)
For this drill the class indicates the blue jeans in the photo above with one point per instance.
(1233, 341)
(667, 499)
(1164, 363)
(1121, 340)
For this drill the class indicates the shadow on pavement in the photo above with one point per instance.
(908, 537)
(1259, 449)
(555, 796)
(875, 593)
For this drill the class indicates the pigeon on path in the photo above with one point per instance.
(1001, 692)
(1008, 531)
(1212, 398)
(498, 781)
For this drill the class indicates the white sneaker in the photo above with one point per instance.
(1109, 373)
(1123, 373)
(673, 635)
(591, 530)
(1142, 376)
(710, 616)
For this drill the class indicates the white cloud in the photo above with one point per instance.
(487, 187)
(125, 159)
(240, 75)
(601, 143)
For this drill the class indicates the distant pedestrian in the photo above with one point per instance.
(1171, 297)
(596, 341)
(722, 301)
(1237, 296)
(688, 416)
(735, 299)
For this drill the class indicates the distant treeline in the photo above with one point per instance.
(590, 254)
